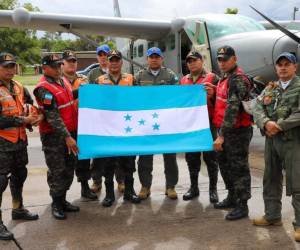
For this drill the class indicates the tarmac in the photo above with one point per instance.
(157, 223)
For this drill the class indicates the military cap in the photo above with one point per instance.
(69, 55)
(6, 59)
(52, 60)
(225, 52)
(114, 53)
(289, 56)
(193, 55)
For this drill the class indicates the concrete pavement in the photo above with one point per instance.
(157, 223)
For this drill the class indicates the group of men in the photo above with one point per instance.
(277, 114)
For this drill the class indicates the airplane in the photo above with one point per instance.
(257, 45)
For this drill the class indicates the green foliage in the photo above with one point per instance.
(233, 11)
(8, 4)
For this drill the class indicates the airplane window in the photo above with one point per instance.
(134, 52)
(141, 50)
(162, 46)
(171, 42)
(150, 44)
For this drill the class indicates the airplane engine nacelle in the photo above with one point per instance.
(21, 16)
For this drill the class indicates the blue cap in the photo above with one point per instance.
(103, 48)
(289, 56)
(154, 50)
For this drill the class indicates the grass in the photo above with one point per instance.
(28, 80)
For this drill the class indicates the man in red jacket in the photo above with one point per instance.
(198, 75)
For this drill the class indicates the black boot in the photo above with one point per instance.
(129, 193)
(4, 233)
(213, 196)
(110, 194)
(228, 202)
(213, 193)
(68, 207)
(57, 208)
(23, 214)
(86, 192)
(239, 212)
(194, 190)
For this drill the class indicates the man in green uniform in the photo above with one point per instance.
(155, 74)
(277, 113)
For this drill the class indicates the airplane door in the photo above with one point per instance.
(200, 43)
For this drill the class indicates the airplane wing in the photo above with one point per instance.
(288, 24)
(106, 26)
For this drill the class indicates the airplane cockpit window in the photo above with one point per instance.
(222, 25)
(141, 50)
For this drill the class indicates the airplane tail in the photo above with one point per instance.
(117, 12)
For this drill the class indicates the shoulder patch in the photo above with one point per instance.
(48, 99)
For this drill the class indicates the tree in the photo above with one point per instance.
(233, 11)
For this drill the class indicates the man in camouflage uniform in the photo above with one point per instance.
(155, 74)
(58, 133)
(198, 75)
(97, 171)
(277, 113)
(124, 163)
(82, 170)
(13, 140)
(234, 134)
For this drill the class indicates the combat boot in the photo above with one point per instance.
(110, 194)
(23, 214)
(129, 193)
(96, 187)
(4, 233)
(228, 202)
(262, 221)
(239, 212)
(57, 208)
(171, 193)
(297, 235)
(86, 192)
(68, 207)
(194, 189)
(144, 193)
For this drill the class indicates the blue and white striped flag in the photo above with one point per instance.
(122, 121)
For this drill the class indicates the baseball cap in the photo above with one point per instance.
(154, 50)
(52, 60)
(114, 53)
(225, 52)
(193, 55)
(6, 59)
(69, 55)
(289, 56)
(103, 48)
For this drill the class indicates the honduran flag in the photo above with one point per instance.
(126, 120)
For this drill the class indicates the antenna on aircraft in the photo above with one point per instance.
(277, 26)
(117, 12)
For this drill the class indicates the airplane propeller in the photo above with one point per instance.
(277, 26)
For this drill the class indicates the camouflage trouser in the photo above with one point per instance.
(61, 165)
(145, 168)
(109, 164)
(13, 168)
(281, 154)
(97, 172)
(233, 162)
(210, 158)
(83, 171)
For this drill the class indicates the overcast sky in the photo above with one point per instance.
(168, 9)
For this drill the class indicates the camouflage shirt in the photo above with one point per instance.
(280, 105)
(10, 121)
(164, 77)
(238, 90)
(94, 74)
(50, 109)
